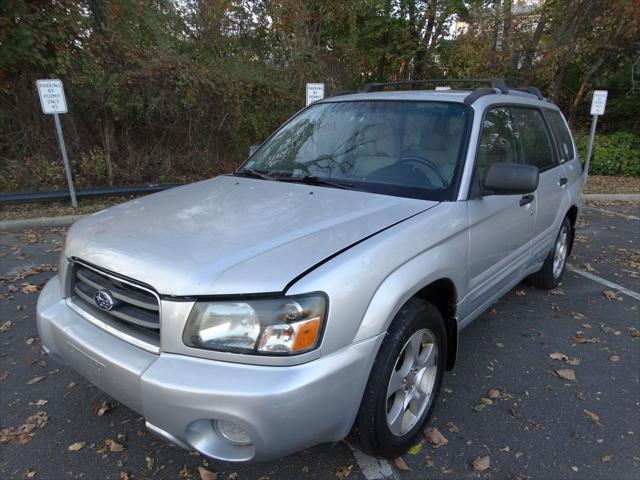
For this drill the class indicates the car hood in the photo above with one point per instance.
(231, 235)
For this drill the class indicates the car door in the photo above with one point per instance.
(501, 226)
(537, 149)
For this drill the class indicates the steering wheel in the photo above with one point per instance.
(427, 163)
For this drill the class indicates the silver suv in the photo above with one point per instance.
(320, 289)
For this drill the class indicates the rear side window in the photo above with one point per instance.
(498, 142)
(536, 144)
(561, 134)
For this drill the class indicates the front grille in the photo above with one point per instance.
(135, 311)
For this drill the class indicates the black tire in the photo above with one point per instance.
(545, 278)
(371, 431)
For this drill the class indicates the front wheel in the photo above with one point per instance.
(404, 382)
(550, 274)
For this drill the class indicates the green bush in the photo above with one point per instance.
(613, 154)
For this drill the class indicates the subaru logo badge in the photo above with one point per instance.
(104, 300)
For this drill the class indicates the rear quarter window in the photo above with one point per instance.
(561, 135)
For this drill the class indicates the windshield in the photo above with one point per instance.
(410, 149)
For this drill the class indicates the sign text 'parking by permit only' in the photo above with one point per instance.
(599, 102)
(315, 92)
(51, 95)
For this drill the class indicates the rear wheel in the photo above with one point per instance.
(550, 275)
(404, 382)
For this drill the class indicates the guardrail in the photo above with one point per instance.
(31, 197)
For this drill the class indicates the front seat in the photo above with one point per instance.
(378, 146)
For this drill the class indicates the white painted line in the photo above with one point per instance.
(372, 468)
(623, 215)
(604, 282)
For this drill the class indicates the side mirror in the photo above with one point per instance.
(510, 179)
(254, 148)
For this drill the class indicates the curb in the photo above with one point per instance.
(621, 197)
(42, 222)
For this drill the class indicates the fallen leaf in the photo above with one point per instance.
(581, 339)
(401, 464)
(36, 380)
(594, 418)
(101, 409)
(607, 329)
(31, 473)
(481, 464)
(207, 474)
(40, 419)
(114, 446)
(573, 361)
(415, 449)
(611, 295)
(150, 462)
(614, 358)
(74, 447)
(566, 374)
(434, 437)
(634, 332)
(5, 326)
(344, 472)
(29, 288)
(493, 393)
(577, 315)
(452, 427)
(483, 403)
(3, 375)
(71, 385)
(606, 458)
(124, 476)
(31, 362)
(520, 293)
(558, 356)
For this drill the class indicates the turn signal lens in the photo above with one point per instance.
(306, 334)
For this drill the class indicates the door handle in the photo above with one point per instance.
(563, 181)
(527, 199)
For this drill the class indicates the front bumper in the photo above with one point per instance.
(283, 409)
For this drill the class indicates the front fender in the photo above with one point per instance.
(368, 283)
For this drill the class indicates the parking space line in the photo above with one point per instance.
(372, 468)
(604, 282)
(623, 215)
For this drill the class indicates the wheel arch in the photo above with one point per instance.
(442, 294)
(572, 215)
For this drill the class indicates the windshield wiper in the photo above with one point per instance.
(313, 180)
(250, 172)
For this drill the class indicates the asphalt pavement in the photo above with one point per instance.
(547, 385)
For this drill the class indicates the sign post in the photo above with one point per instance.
(315, 92)
(53, 102)
(598, 104)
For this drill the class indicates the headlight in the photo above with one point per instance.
(284, 325)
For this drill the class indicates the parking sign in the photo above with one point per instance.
(315, 92)
(598, 102)
(51, 95)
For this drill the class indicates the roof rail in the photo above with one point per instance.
(493, 82)
(532, 90)
(477, 93)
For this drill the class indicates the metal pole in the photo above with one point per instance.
(589, 148)
(67, 168)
